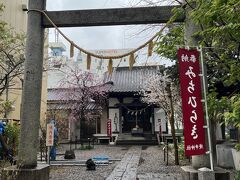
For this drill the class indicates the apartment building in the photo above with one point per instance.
(15, 15)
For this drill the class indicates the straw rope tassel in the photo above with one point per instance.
(73, 45)
(150, 48)
(110, 66)
(131, 61)
(71, 50)
(88, 61)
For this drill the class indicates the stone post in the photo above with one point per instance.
(31, 96)
(205, 174)
(191, 40)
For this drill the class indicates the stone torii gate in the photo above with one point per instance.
(31, 97)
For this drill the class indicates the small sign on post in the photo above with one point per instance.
(50, 135)
(109, 128)
(49, 139)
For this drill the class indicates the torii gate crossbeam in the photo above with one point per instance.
(106, 17)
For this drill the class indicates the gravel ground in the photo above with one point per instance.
(79, 172)
(151, 161)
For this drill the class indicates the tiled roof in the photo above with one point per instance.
(57, 100)
(57, 94)
(63, 94)
(64, 106)
(125, 80)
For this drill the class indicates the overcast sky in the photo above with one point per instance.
(101, 37)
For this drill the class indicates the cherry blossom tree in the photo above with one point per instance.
(84, 93)
(158, 89)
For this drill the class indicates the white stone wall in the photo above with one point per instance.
(114, 116)
(159, 116)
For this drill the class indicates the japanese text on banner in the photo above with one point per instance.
(193, 117)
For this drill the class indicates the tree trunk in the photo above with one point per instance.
(213, 127)
(171, 119)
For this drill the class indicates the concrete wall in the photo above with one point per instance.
(17, 19)
(55, 75)
(14, 15)
(100, 65)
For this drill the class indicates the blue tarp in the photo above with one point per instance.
(100, 158)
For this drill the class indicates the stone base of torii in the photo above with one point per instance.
(189, 173)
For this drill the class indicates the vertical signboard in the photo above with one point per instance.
(50, 135)
(193, 117)
(109, 128)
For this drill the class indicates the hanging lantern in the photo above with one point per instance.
(71, 50)
(150, 48)
(110, 66)
(131, 61)
(88, 61)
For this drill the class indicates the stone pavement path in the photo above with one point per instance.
(157, 176)
(137, 163)
(127, 168)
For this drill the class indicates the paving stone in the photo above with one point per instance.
(128, 164)
(155, 176)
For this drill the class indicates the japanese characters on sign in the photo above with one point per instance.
(50, 135)
(109, 127)
(193, 117)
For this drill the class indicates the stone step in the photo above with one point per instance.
(136, 142)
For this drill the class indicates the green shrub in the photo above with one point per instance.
(11, 133)
(237, 147)
(181, 150)
(86, 147)
(237, 176)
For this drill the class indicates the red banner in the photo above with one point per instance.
(193, 117)
(109, 127)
